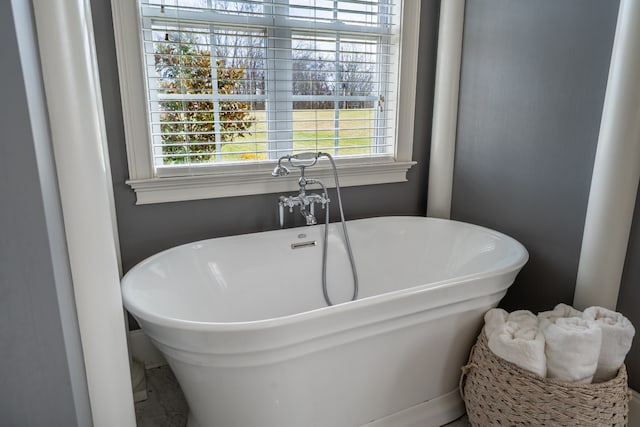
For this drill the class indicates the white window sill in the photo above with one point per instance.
(257, 179)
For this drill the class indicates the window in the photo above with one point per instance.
(214, 91)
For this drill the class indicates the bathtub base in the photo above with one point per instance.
(385, 375)
(432, 413)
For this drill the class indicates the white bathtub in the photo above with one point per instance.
(242, 321)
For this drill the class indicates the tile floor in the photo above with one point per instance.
(166, 407)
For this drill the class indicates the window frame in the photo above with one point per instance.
(226, 180)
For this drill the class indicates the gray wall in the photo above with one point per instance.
(629, 297)
(145, 230)
(42, 380)
(532, 88)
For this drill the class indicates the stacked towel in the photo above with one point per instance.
(497, 316)
(522, 346)
(516, 338)
(560, 310)
(572, 348)
(524, 318)
(563, 343)
(617, 335)
(493, 319)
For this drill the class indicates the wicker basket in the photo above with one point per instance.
(498, 393)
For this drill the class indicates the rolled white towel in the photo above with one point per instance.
(492, 319)
(572, 349)
(522, 346)
(560, 310)
(524, 318)
(497, 316)
(617, 335)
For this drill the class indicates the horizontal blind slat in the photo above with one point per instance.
(276, 21)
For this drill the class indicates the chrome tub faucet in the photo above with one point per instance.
(304, 201)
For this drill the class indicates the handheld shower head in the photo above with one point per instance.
(300, 160)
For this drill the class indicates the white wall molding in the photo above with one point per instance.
(252, 181)
(144, 351)
(445, 108)
(74, 103)
(616, 171)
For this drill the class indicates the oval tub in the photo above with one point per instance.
(243, 324)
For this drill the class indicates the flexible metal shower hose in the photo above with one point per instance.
(326, 238)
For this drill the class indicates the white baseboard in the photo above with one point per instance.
(436, 412)
(144, 351)
(634, 409)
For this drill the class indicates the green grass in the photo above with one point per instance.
(313, 130)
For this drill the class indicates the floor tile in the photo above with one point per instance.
(165, 405)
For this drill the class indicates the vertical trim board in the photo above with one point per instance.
(445, 108)
(143, 350)
(74, 103)
(616, 171)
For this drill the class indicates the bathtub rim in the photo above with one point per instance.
(194, 325)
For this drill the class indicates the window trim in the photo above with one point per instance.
(255, 178)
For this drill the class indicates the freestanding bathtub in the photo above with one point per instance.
(243, 324)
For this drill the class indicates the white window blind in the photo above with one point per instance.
(243, 81)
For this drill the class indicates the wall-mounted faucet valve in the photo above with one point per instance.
(305, 202)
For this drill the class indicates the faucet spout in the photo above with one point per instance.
(309, 216)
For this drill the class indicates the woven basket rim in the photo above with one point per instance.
(622, 372)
